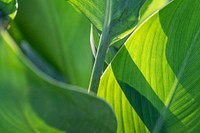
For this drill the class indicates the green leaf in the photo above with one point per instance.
(30, 102)
(150, 7)
(60, 35)
(8, 9)
(125, 14)
(153, 83)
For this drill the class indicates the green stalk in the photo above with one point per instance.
(102, 50)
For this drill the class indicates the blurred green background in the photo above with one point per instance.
(56, 39)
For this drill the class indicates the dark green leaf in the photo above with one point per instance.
(125, 14)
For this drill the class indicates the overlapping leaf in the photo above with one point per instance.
(60, 35)
(153, 83)
(148, 8)
(31, 102)
(125, 14)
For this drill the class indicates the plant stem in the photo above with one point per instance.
(102, 50)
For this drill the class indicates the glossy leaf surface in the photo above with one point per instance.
(30, 102)
(153, 83)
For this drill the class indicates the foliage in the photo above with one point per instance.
(155, 75)
(32, 102)
(151, 79)
(59, 35)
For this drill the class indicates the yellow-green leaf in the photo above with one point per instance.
(153, 83)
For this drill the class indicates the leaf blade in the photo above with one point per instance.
(155, 63)
(31, 102)
(125, 14)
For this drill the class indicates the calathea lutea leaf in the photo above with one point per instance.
(125, 14)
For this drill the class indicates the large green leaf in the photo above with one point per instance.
(154, 81)
(60, 35)
(124, 14)
(8, 9)
(30, 102)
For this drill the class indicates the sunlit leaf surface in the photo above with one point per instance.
(153, 83)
